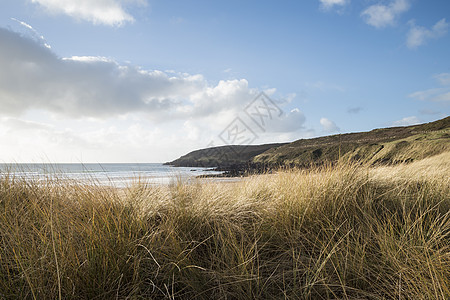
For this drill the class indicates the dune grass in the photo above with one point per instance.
(334, 232)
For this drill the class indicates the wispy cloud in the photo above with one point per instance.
(439, 94)
(436, 94)
(33, 32)
(418, 35)
(106, 12)
(443, 78)
(427, 111)
(16, 124)
(329, 4)
(380, 16)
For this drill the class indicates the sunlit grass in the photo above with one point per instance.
(341, 232)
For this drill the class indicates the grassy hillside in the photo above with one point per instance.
(341, 232)
(386, 145)
(221, 156)
(389, 145)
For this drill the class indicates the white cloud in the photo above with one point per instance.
(329, 4)
(107, 12)
(192, 131)
(379, 15)
(226, 95)
(328, 126)
(419, 35)
(89, 59)
(413, 120)
(288, 122)
(24, 24)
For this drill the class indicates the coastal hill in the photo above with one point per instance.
(222, 156)
(379, 146)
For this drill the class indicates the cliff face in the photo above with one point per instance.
(386, 145)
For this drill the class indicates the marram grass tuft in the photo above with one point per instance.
(332, 232)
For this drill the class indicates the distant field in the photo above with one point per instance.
(332, 232)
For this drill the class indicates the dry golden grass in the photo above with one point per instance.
(341, 232)
(436, 167)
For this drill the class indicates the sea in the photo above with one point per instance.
(105, 174)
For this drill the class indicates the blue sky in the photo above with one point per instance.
(149, 80)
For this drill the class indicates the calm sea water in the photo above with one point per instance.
(118, 175)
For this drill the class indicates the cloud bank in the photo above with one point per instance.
(33, 77)
(63, 106)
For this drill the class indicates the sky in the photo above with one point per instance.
(150, 80)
